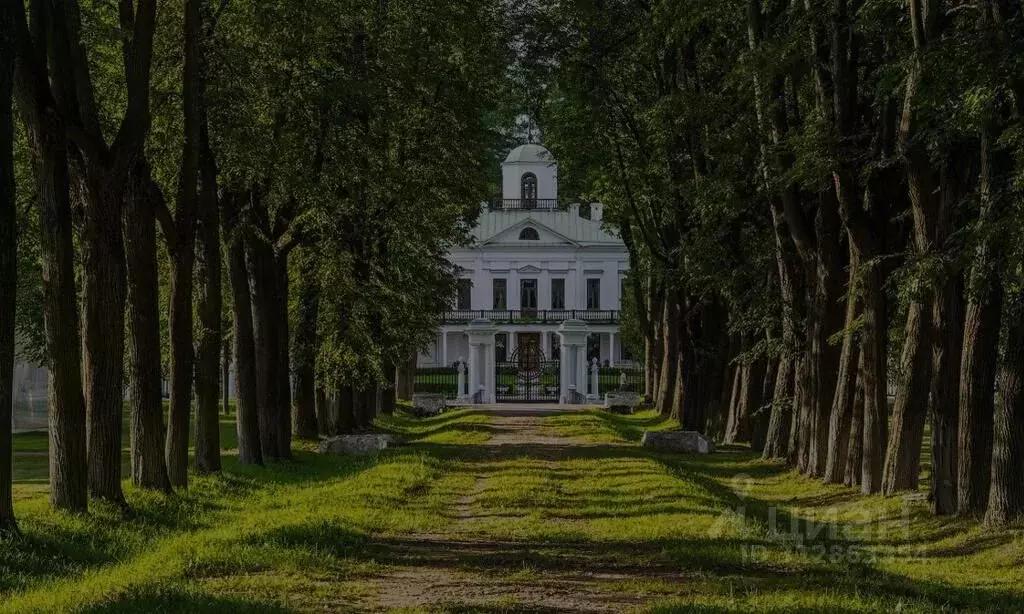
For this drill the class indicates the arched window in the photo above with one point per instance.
(529, 193)
(529, 234)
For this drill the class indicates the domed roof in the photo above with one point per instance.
(531, 152)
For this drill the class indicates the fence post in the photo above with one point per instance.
(460, 366)
(595, 379)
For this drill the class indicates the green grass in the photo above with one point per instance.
(726, 532)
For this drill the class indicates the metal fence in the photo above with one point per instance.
(437, 380)
(620, 379)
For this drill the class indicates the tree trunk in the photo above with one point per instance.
(777, 435)
(855, 449)
(720, 427)
(947, 317)
(208, 271)
(980, 355)
(66, 411)
(1006, 497)
(304, 351)
(225, 375)
(323, 413)
(977, 386)
(148, 467)
(182, 251)
(793, 448)
(284, 388)
(103, 332)
(876, 411)
(8, 266)
(266, 312)
(246, 406)
(182, 356)
(749, 400)
(670, 334)
(903, 457)
(846, 390)
(344, 410)
(387, 401)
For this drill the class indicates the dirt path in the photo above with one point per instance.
(460, 570)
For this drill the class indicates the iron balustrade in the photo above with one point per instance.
(527, 204)
(532, 316)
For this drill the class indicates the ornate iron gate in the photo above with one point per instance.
(527, 377)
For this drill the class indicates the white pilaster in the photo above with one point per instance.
(444, 348)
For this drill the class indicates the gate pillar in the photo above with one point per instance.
(480, 365)
(573, 334)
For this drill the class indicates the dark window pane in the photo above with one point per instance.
(558, 294)
(465, 293)
(500, 301)
(528, 294)
(529, 234)
(593, 294)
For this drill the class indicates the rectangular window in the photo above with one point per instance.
(593, 293)
(558, 294)
(528, 295)
(500, 302)
(465, 294)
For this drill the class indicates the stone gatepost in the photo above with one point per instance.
(481, 361)
(573, 334)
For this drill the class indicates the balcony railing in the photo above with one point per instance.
(531, 316)
(528, 204)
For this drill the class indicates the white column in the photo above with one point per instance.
(513, 343)
(490, 381)
(474, 369)
(595, 389)
(545, 344)
(444, 348)
(581, 369)
(615, 355)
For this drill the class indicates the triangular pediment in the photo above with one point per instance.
(546, 234)
(529, 269)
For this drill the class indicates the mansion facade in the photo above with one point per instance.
(541, 284)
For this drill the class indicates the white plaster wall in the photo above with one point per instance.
(547, 179)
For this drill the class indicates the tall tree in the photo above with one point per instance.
(179, 230)
(45, 126)
(8, 262)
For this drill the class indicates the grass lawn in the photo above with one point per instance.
(574, 500)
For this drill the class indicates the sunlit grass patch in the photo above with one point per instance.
(462, 426)
(601, 426)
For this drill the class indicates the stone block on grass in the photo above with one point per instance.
(621, 402)
(363, 443)
(426, 405)
(682, 442)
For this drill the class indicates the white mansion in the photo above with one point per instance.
(540, 283)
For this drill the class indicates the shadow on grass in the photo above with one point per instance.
(173, 600)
